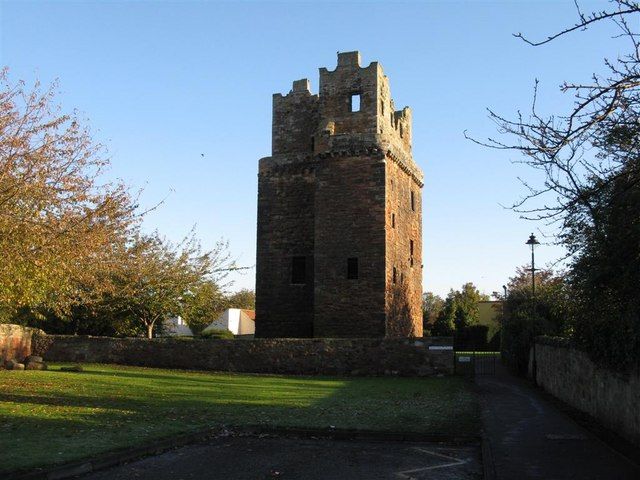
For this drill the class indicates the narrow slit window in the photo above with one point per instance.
(382, 107)
(413, 201)
(313, 143)
(394, 277)
(355, 102)
(393, 220)
(299, 270)
(352, 268)
(411, 252)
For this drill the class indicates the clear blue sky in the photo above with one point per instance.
(163, 82)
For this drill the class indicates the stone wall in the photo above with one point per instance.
(16, 341)
(569, 374)
(362, 356)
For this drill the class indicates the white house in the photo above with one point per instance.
(176, 327)
(238, 321)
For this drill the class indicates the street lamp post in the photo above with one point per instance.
(533, 241)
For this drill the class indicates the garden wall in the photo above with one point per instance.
(15, 341)
(570, 375)
(360, 356)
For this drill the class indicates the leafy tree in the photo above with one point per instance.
(156, 277)
(460, 310)
(432, 305)
(444, 324)
(589, 160)
(523, 318)
(465, 305)
(59, 223)
(74, 260)
(204, 304)
(244, 298)
(606, 274)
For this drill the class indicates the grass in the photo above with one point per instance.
(51, 417)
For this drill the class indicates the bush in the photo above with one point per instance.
(521, 323)
(217, 333)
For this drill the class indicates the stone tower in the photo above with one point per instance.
(339, 249)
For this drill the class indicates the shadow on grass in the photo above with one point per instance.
(79, 415)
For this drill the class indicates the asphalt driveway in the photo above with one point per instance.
(256, 458)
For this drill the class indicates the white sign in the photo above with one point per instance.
(440, 347)
(464, 359)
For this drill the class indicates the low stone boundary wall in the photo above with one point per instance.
(16, 341)
(569, 374)
(361, 356)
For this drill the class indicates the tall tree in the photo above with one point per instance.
(460, 310)
(589, 157)
(244, 298)
(523, 319)
(155, 277)
(59, 222)
(203, 305)
(432, 305)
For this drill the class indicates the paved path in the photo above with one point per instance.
(531, 439)
(251, 458)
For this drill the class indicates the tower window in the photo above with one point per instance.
(411, 252)
(382, 106)
(355, 102)
(352, 268)
(395, 275)
(413, 201)
(393, 220)
(299, 270)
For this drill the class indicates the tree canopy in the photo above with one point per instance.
(74, 258)
(589, 157)
(459, 310)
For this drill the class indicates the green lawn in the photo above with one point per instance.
(52, 417)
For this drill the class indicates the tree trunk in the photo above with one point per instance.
(150, 330)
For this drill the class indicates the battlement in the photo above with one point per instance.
(353, 102)
(349, 58)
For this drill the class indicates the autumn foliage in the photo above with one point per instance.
(70, 243)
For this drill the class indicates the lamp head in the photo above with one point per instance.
(532, 240)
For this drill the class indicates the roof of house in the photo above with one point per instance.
(250, 313)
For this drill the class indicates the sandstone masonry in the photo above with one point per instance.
(339, 250)
(613, 399)
(16, 342)
(326, 356)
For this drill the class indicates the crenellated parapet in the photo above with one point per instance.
(353, 108)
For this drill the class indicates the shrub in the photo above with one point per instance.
(217, 333)
(521, 322)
